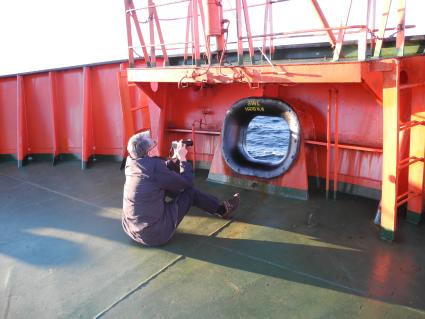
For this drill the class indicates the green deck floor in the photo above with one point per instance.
(63, 255)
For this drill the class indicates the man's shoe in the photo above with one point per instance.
(230, 206)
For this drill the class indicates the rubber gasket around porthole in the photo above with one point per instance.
(234, 134)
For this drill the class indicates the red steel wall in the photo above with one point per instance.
(63, 114)
(360, 122)
(60, 117)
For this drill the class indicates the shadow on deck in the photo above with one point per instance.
(63, 254)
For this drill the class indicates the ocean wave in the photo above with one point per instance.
(267, 138)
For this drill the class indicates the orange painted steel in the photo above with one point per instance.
(347, 72)
(391, 156)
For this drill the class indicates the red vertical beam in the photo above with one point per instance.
(390, 156)
(54, 106)
(328, 142)
(139, 31)
(325, 23)
(193, 147)
(161, 38)
(151, 5)
(336, 142)
(416, 182)
(188, 28)
(21, 132)
(383, 26)
(162, 121)
(239, 31)
(248, 31)
(128, 123)
(86, 142)
(401, 16)
(196, 32)
(129, 37)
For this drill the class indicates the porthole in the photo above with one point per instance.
(236, 137)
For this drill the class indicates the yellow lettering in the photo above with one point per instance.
(253, 103)
(254, 108)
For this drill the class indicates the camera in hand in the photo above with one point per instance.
(185, 142)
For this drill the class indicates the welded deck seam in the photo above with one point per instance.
(59, 193)
(146, 281)
(287, 268)
(304, 274)
(159, 272)
(140, 286)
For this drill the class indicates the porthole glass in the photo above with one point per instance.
(267, 138)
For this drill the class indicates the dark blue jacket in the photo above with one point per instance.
(147, 218)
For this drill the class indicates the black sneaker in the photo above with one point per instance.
(230, 206)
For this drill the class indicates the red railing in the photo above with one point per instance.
(208, 17)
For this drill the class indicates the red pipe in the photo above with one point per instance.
(174, 130)
(162, 127)
(193, 147)
(86, 147)
(345, 146)
(53, 104)
(328, 142)
(21, 149)
(336, 150)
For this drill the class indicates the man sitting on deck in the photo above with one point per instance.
(147, 218)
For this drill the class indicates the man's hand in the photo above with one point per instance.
(180, 152)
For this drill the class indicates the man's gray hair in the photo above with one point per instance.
(140, 144)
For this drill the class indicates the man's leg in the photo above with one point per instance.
(206, 202)
(191, 196)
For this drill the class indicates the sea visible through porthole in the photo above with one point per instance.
(267, 138)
